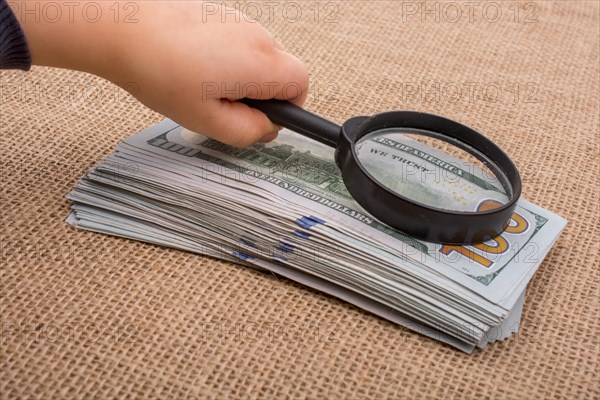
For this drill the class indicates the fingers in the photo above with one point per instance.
(278, 75)
(238, 125)
(271, 73)
(271, 136)
(278, 44)
(293, 76)
(281, 76)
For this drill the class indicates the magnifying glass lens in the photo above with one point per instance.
(433, 170)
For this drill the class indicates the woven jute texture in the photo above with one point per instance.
(86, 315)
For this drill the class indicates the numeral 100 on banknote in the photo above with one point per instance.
(493, 247)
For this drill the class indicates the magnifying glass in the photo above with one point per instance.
(428, 176)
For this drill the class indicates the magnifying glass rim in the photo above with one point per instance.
(513, 198)
(420, 220)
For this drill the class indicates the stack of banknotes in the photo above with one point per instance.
(283, 207)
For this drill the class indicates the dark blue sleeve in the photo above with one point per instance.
(14, 52)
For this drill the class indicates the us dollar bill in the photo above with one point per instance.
(302, 171)
(283, 206)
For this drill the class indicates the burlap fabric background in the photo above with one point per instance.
(91, 316)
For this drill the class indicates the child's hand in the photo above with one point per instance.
(183, 61)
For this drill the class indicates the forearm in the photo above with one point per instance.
(172, 51)
(61, 36)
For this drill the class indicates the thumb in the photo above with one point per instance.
(238, 125)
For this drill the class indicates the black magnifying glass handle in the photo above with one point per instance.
(299, 120)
